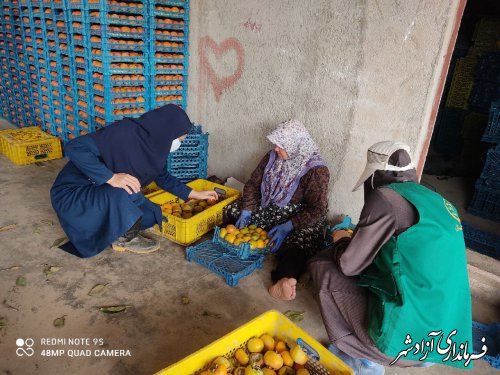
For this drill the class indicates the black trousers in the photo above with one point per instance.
(292, 262)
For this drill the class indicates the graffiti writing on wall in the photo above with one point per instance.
(208, 73)
(252, 26)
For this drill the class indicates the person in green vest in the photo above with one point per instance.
(396, 292)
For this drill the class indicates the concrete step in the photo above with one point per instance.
(484, 279)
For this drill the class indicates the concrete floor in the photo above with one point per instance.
(157, 328)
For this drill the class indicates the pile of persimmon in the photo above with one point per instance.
(167, 77)
(170, 55)
(128, 111)
(264, 355)
(168, 44)
(138, 99)
(168, 88)
(126, 89)
(188, 209)
(256, 237)
(125, 41)
(170, 21)
(126, 29)
(168, 97)
(170, 9)
(124, 4)
(169, 32)
(125, 17)
(168, 66)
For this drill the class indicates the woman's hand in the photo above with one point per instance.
(203, 194)
(126, 182)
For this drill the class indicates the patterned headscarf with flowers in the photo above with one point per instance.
(281, 177)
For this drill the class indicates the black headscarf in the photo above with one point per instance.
(399, 158)
(140, 146)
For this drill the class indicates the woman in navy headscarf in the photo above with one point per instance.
(97, 194)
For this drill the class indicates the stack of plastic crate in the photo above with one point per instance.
(77, 53)
(486, 199)
(487, 84)
(119, 60)
(189, 162)
(168, 33)
(11, 82)
(4, 65)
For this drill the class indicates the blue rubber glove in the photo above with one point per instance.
(279, 233)
(244, 219)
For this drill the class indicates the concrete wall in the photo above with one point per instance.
(355, 72)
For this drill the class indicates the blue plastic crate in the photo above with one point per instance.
(127, 9)
(488, 68)
(172, 15)
(120, 71)
(170, 60)
(491, 170)
(168, 92)
(168, 26)
(480, 241)
(180, 159)
(168, 49)
(128, 35)
(166, 82)
(491, 335)
(127, 47)
(486, 201)
(161, 103)
(169, 38)
(492, 132)
(106, 58)
(483, 94)
(243, 251)
(173, 3)
(124, 22)
(222, 262)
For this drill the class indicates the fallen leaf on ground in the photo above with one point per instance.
(59, 242)
(21, 281)
(7, 227)
(113, 309)
(212, 314)
(97, 289)
(47, 222)
(295, 316)
(185, 300)
(59, 322)
(6, 304)
(11, 268)
(3, 322)
(51, 269)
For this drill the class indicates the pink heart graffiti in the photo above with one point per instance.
(219, 84)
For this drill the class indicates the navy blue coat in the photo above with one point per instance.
(94, 214)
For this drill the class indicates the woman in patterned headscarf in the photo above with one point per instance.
(287, 194)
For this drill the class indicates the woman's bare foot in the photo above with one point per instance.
(284, 289)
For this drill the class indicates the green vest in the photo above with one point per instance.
(419, 283)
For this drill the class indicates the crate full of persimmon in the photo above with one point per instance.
(270, 344)
(187, 222)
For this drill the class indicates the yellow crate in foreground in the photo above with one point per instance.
(271, 322)
(186, 231)
(29, 145)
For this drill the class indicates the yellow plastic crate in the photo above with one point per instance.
(186, 231)
(271, 322)
(29, 145)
